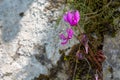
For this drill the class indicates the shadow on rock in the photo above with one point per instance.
(11, 13)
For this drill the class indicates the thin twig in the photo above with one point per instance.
(75, 70)
(93, 13)
(96, 13)
(100, 74)
(92, 55)
(77, 38)
(88, 64)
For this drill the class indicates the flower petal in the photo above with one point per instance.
(69, 17)
(65, 17)
(76, 16)
(73, 23)
(62, 37)
(70, 33)
(64, 41)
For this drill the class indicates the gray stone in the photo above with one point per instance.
(29, 42)
(111, 48)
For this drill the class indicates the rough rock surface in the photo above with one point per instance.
(111, 66)
(29, 41)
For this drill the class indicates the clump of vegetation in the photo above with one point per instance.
(97, 19)
(98, 16)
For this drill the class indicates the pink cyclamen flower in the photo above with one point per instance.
(72, 17)
(66, 38)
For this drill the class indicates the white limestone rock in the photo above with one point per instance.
(24, 31)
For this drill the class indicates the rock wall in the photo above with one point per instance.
(29, 41)
(111, 49)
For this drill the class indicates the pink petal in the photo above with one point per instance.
(64, 41)
(77, 16)
(73, 23)
(65, 17)
(69, 17)
(62, 37)
(70, 33)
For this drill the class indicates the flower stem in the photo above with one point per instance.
(79, 29)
